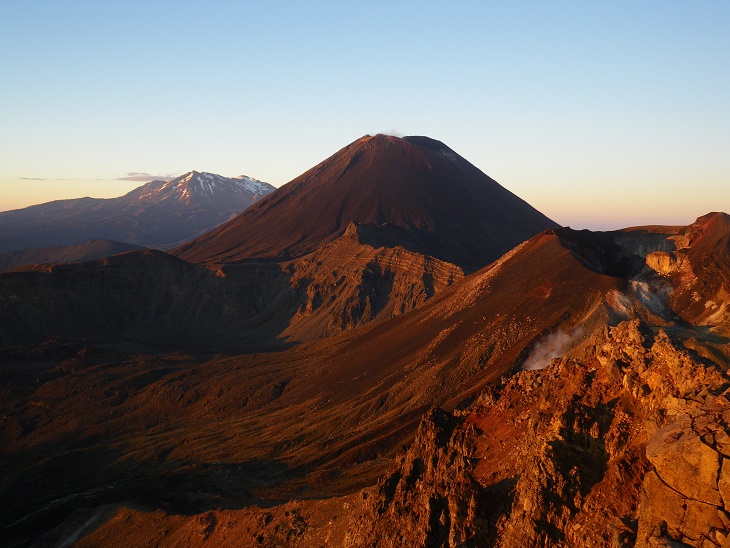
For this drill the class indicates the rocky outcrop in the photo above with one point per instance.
(620, 441)
(431, 497)
(666, 262)
(625, 445)
(682, 497)
(349, 283)
(699, 271)
(685, 498)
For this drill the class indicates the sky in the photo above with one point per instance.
(599, 114)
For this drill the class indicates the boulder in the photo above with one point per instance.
(684, 462)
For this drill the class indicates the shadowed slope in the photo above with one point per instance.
(446, 206)
(419, 217)
(87, 251)
(146, 297)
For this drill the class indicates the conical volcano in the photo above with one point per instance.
(413, 191)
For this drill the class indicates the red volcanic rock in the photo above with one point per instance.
(702, 272)
(415, 186)
(684, 462)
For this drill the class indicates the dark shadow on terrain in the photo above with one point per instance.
(497, 500)
(149, 302)
(42, 487)
(580, 457)
(425, 241)
(428, 284)
(378, 286)
(621, 254)
(687, 337)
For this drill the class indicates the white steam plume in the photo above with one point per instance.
(549, 347)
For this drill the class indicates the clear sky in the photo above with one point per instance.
(600, 114)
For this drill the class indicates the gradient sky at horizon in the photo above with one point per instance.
(601, 115)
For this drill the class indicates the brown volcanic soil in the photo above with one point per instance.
(189, 434)
(192, 434)
(452, 210)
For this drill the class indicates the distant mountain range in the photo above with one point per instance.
(159, 214)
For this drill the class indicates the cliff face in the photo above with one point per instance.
(351, 282)
(627, 445)
(431, 497)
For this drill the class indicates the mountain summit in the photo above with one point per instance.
(410, 189)
(158, 214)
(201, 187)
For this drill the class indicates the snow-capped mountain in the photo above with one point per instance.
(159, 214)
(201, 187)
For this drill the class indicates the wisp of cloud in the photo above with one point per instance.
(144, 177)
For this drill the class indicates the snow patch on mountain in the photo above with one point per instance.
(203, 186)
(209, 183)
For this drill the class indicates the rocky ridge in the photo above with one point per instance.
(34, 258)
(351, 282)
(344, 285)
